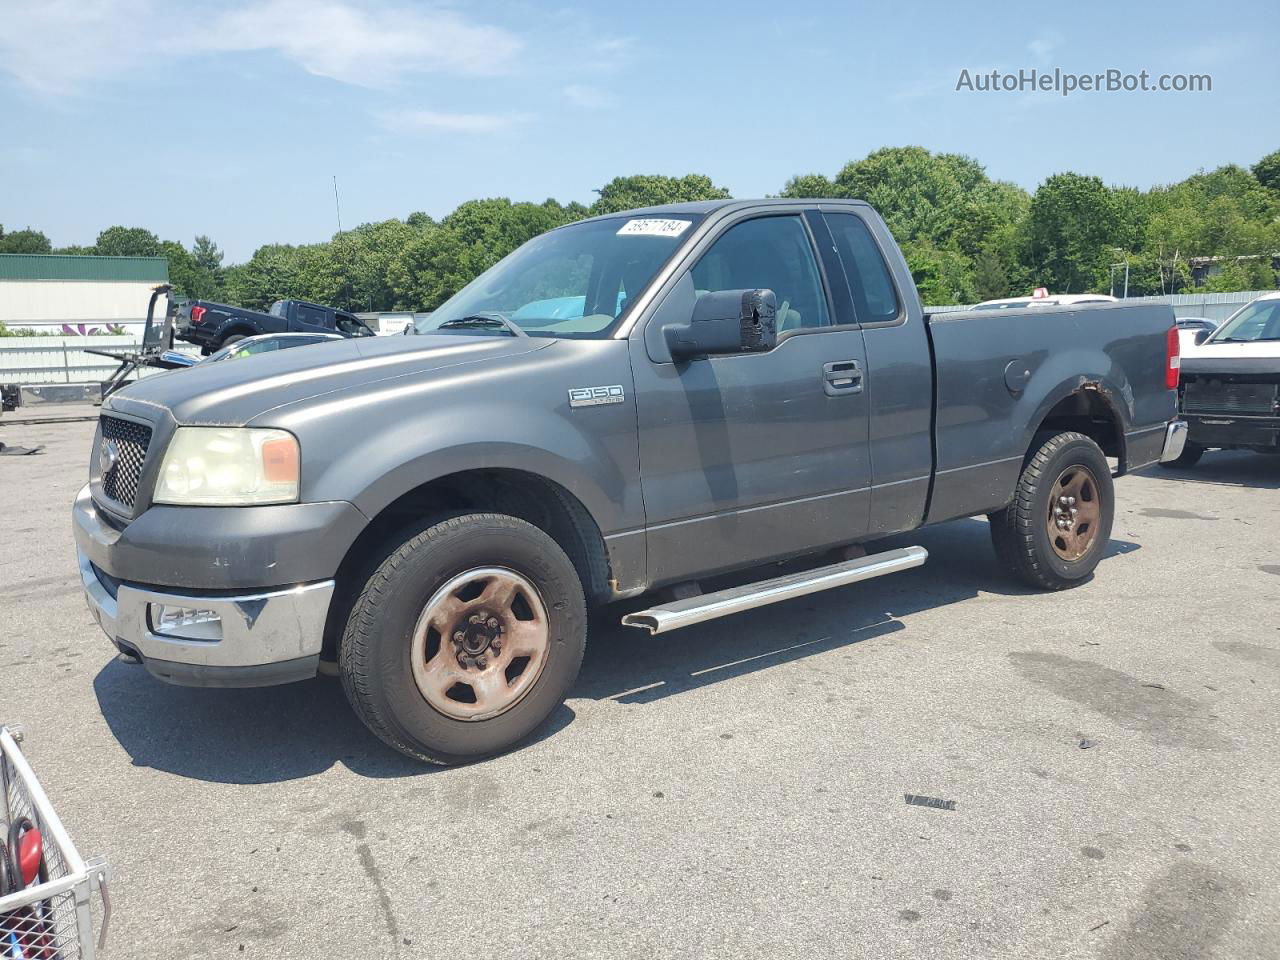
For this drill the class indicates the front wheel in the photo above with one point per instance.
(1054, 532)
(465, 639)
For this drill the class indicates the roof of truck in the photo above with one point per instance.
(703, 207)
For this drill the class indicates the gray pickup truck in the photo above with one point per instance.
(626, 405)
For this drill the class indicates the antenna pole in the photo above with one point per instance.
(336, 205)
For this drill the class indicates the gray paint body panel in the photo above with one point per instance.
(703, 466)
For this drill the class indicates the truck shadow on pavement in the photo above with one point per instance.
(262, 735)
(627, 665)
(274, 734)
(1234, 468)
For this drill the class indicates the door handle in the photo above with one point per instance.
(841, 378)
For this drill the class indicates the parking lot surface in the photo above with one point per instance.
(1106, 760)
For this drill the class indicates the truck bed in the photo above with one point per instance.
(1000, 373)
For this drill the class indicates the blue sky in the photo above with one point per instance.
(231, 118)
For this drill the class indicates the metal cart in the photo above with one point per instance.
(49, 920)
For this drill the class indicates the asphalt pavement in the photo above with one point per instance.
(934, 764)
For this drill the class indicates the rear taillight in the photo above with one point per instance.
(1172, 359)
(197, 314)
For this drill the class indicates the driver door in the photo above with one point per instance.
(749, 457)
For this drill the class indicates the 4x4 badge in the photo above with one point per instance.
(595, 396)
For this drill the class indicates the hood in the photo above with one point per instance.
(233, 392)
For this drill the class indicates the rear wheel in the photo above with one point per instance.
(465, 639)
(226, 341)
(1189, 457)
(1054, 532)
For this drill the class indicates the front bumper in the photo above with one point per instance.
(1175, 439)
(261, 638)
(243, 549)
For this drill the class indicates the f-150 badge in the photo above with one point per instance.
(596, 396)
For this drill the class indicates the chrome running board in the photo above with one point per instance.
(709, 606)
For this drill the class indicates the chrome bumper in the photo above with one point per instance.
(1175, 438)
(260, 639)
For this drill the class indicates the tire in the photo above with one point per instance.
(382, 677)
(227, 341)
(1021, 531)
(1189, 457)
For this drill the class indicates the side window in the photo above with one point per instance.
(874, 297)
(349, 325)
(772, 252)
(261, 346)
(314, 317)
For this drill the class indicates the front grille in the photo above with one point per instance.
(121, 453)
(1220, 396)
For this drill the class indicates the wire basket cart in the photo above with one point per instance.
(49, 919)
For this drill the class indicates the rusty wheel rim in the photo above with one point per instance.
(480, 643)
(1075, 509)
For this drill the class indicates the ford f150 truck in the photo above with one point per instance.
(211, 326)
(627, 403)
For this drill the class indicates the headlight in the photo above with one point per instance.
(229, 466)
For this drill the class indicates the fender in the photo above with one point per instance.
(371, 443)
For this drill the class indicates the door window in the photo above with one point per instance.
(350, 325)
(313, 316)
(874, 298)
(772, 253)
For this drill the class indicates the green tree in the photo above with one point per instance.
(438, 261)
(1253, 273)
(24, 241)
(1267, 171)
(990, 276)
(206, 254)
(127, 242)
(923, 197)
(627, 193)
(1074, 220)
(942, 276)
(272, 273)
(809, 186)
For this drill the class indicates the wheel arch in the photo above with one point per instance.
(529, 496)
(1086, 406)
(233, 329)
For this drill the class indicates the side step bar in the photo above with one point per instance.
(709, 606)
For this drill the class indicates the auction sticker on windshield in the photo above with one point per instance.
(648, 227)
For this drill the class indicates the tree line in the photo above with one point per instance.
(966, 236)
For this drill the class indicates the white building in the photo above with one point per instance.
(45, 291)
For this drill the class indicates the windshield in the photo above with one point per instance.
(1259, 320)
(572, 282)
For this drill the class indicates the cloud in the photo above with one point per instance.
(435, 121)
(62, 46)
(369, 45)
(591, 97)
(1042, 47)
(57, 46)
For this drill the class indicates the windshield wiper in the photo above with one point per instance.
(484, 320)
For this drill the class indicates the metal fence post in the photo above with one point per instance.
(66, 364)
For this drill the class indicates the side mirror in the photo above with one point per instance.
(727, 321)
(1202, 336)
